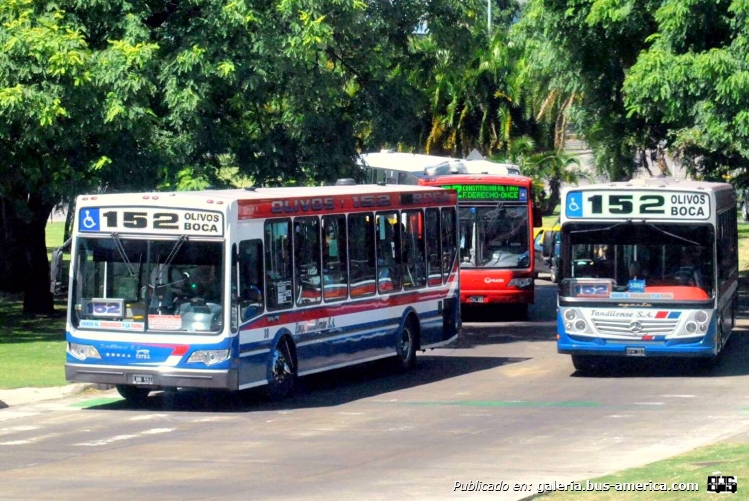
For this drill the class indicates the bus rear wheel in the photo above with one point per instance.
(282, 372)
(405, 346)
(133, 394)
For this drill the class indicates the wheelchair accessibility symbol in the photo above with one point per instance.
(88, 220)
(574, 205)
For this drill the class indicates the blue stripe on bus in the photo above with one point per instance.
(352, 330)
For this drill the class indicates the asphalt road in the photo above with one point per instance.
(500, 406)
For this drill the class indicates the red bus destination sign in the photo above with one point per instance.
(489, 192)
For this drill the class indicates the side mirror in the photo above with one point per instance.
(548, 243)
(537, 219)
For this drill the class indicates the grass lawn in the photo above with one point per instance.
(36, 343)
(692, 467)
(32, 350)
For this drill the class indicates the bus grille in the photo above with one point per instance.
(627, 327)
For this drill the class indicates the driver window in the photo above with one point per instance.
(278, 264)
(251, 301)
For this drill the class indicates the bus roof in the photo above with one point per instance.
(667, 183)
(419, 165)
(232, 195)
(476, 179)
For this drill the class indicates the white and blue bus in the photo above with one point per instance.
(241, 288)
(649, 269)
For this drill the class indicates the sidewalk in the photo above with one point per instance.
(20, 396)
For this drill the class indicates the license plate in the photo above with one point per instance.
(475, 299)
(635, 352)
(138, 379)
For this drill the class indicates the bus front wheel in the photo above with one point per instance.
(282, 372)
(587, 365)
(133, 394)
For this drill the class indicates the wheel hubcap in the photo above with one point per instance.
(280, 366)
(405, 343)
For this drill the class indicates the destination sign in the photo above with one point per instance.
(621, 204)
(154, 220)
(501, 192)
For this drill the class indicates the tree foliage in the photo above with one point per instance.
(581, 52)
(112, 95)
(693, 80)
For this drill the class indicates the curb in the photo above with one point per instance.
(21, 396)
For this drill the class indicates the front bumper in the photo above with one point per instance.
(123, 375)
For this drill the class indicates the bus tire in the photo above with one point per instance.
(405, 345)
(553, 278)
(282, 370)
(133, 394)
(587, 365)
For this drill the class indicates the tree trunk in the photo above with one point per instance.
(12, 277)
(37, 298)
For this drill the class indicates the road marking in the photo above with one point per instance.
(7, 415)
(510, 403)
(155, 431)
(30, 440)
(94, 402)
(148, 416)
(106, 441)
(5, 431)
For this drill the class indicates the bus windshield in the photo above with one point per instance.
(672, 260)
(154, 285)
(495, 236)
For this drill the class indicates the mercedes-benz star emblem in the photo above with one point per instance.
(635, 326)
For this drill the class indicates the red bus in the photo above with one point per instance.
(497, 218)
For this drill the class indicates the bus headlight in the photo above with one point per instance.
(691, 327)
(83, 351)
(570, 314)
(580, 325)
(520, 282)
(700, 317)
(208, 357)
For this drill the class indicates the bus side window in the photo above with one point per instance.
(307, 260)
(414, 261)
(389, 277)
(335, 272)
(251, 302)
(449, 241)
(433, 251)
(278, 265)
(361, 251)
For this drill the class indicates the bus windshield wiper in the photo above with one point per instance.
(123, 254)
(172, 254)
(601, 229)
(673, 235)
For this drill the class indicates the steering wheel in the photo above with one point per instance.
(684, 276)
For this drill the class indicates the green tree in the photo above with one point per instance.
(131, 96)
(577, 54)
(693, 80)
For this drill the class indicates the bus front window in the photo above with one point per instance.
(158, 285)
(675, 261)
(495, 237)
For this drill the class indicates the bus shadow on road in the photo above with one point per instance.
(333, 388)
(481, 335)
(733, 361)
